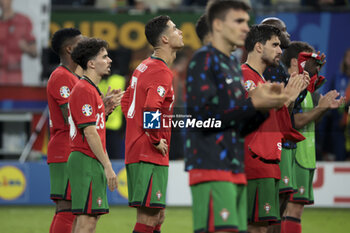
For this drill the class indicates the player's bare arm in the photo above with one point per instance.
(326, 102)
(95, 144)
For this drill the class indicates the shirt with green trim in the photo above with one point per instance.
(86, 108)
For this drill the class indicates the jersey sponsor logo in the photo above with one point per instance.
(249, 85)
(267, 208)
(161, 91)
(87, 110)
(100, 106)
(159, 195)
(224, 213)
(64, 92)
(151, 120)
(12, 183)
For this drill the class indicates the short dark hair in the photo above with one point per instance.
(260, 33)
(217, 9)
(293, 51)
(61, 37)
(202, 28)
(155, 27)
(86, 50)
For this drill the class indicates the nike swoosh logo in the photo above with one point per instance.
(100, 106)
(229, 80)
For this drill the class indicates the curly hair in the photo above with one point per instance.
(61, 37)
(155, 27)
(86, 50)
(260, 33)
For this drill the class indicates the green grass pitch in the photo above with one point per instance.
(37, 219)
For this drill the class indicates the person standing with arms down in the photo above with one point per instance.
(59, 87)
(215, 157)
(147, 150)
(89, 167)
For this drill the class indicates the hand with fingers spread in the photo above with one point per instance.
(111, 178)
(330, 101)
(162, 147)
(112, 99)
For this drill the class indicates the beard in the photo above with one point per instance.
(271, 62)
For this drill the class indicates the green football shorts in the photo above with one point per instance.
(287, 181)
(219, 206)
(303, 178)
(59, 185)
(147, 184)
(88, 184)
(263, 200)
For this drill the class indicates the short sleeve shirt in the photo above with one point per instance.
(86, 108)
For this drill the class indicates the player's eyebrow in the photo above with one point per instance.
(240, 20)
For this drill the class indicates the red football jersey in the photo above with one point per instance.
(12, 31)
(150, 90)
(254, 167)
(58, 89)
(86, 108)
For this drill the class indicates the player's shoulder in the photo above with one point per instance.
(61, 75)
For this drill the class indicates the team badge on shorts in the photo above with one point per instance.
(161, 91)
(302, 190)
(224, 213)
(99, 201)
(267, 208)
(285, 180)
(159, 195)
(249, 85)
(87, 110)
(64, 92)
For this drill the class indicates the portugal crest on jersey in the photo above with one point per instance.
(87, 110)
(161, 91)
(64, 91)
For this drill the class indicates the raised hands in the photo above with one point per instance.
(330, 101)
(268, 95)
(112, 99)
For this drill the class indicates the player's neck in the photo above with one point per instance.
(69, 63)
(166, 55)
(256, 63)
(221, 44)
(91, 74)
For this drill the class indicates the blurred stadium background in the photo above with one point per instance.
(24, 178)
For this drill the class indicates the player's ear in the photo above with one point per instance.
(258, 47)
(217, 24)
(91, 64)
(294, 62)
(164, 38)
(68, 49)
